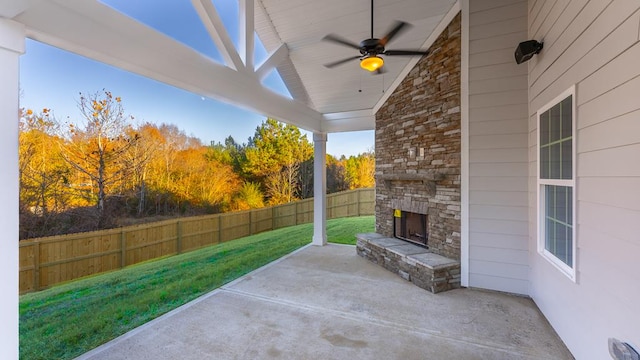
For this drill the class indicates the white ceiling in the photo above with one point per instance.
(325, 100)
(302, 24)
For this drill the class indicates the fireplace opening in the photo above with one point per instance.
(411, 227)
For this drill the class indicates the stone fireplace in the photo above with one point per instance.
(418, 144)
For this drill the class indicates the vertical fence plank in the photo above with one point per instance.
(358, 201)
(36, 266)
(213, 233)
(295, 212)
(123, 249)
(178, 237)
(273, 218)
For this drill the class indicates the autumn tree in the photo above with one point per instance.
(203, 182)
(43, 174)
(274, 155)
(360, 170)
(95, 146)
(305, 179)
(249, 196)
(336, 174)
(138, 157)
(171, 141)
(230, 152)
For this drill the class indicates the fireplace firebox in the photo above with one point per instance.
(412, 227)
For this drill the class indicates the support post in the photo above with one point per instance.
(12, 41)
(319, 189)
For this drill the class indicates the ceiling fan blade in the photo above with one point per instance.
(397, 27)
(339, 40)
(340, 62)
(405, 52)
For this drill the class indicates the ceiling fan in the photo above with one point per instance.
(371, 49)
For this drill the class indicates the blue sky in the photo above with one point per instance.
(53, 78)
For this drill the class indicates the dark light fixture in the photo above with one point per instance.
(526, 50)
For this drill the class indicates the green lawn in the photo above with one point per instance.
(67, 320)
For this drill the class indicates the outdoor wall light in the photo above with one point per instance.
(526, 50)
(622, 351)
(371, 63)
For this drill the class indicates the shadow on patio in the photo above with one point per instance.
(328, 303)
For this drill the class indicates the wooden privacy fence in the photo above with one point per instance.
(51, 260)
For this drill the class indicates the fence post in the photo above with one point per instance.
(123, 249)
(251, 222)
(179, 237)
(36, 266)
(219, 228)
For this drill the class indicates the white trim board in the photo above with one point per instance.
(464, 145)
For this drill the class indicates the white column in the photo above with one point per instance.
(12, 37)
(319, 189)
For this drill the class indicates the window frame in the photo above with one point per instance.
(569, 271)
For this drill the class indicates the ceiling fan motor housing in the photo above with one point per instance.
(371, 47)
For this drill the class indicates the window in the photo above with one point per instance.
(556, 184)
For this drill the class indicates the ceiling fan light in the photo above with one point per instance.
(371, 63)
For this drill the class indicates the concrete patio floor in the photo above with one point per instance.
(328, 303)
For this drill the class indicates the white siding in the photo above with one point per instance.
(593, 45)
(498, 147)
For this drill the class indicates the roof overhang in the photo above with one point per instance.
(324, 100)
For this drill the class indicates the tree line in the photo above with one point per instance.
(104, 169)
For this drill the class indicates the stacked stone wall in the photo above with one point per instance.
(418, 133)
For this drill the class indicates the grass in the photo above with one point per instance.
(68, 320)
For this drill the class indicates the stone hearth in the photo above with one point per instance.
(425, 269)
